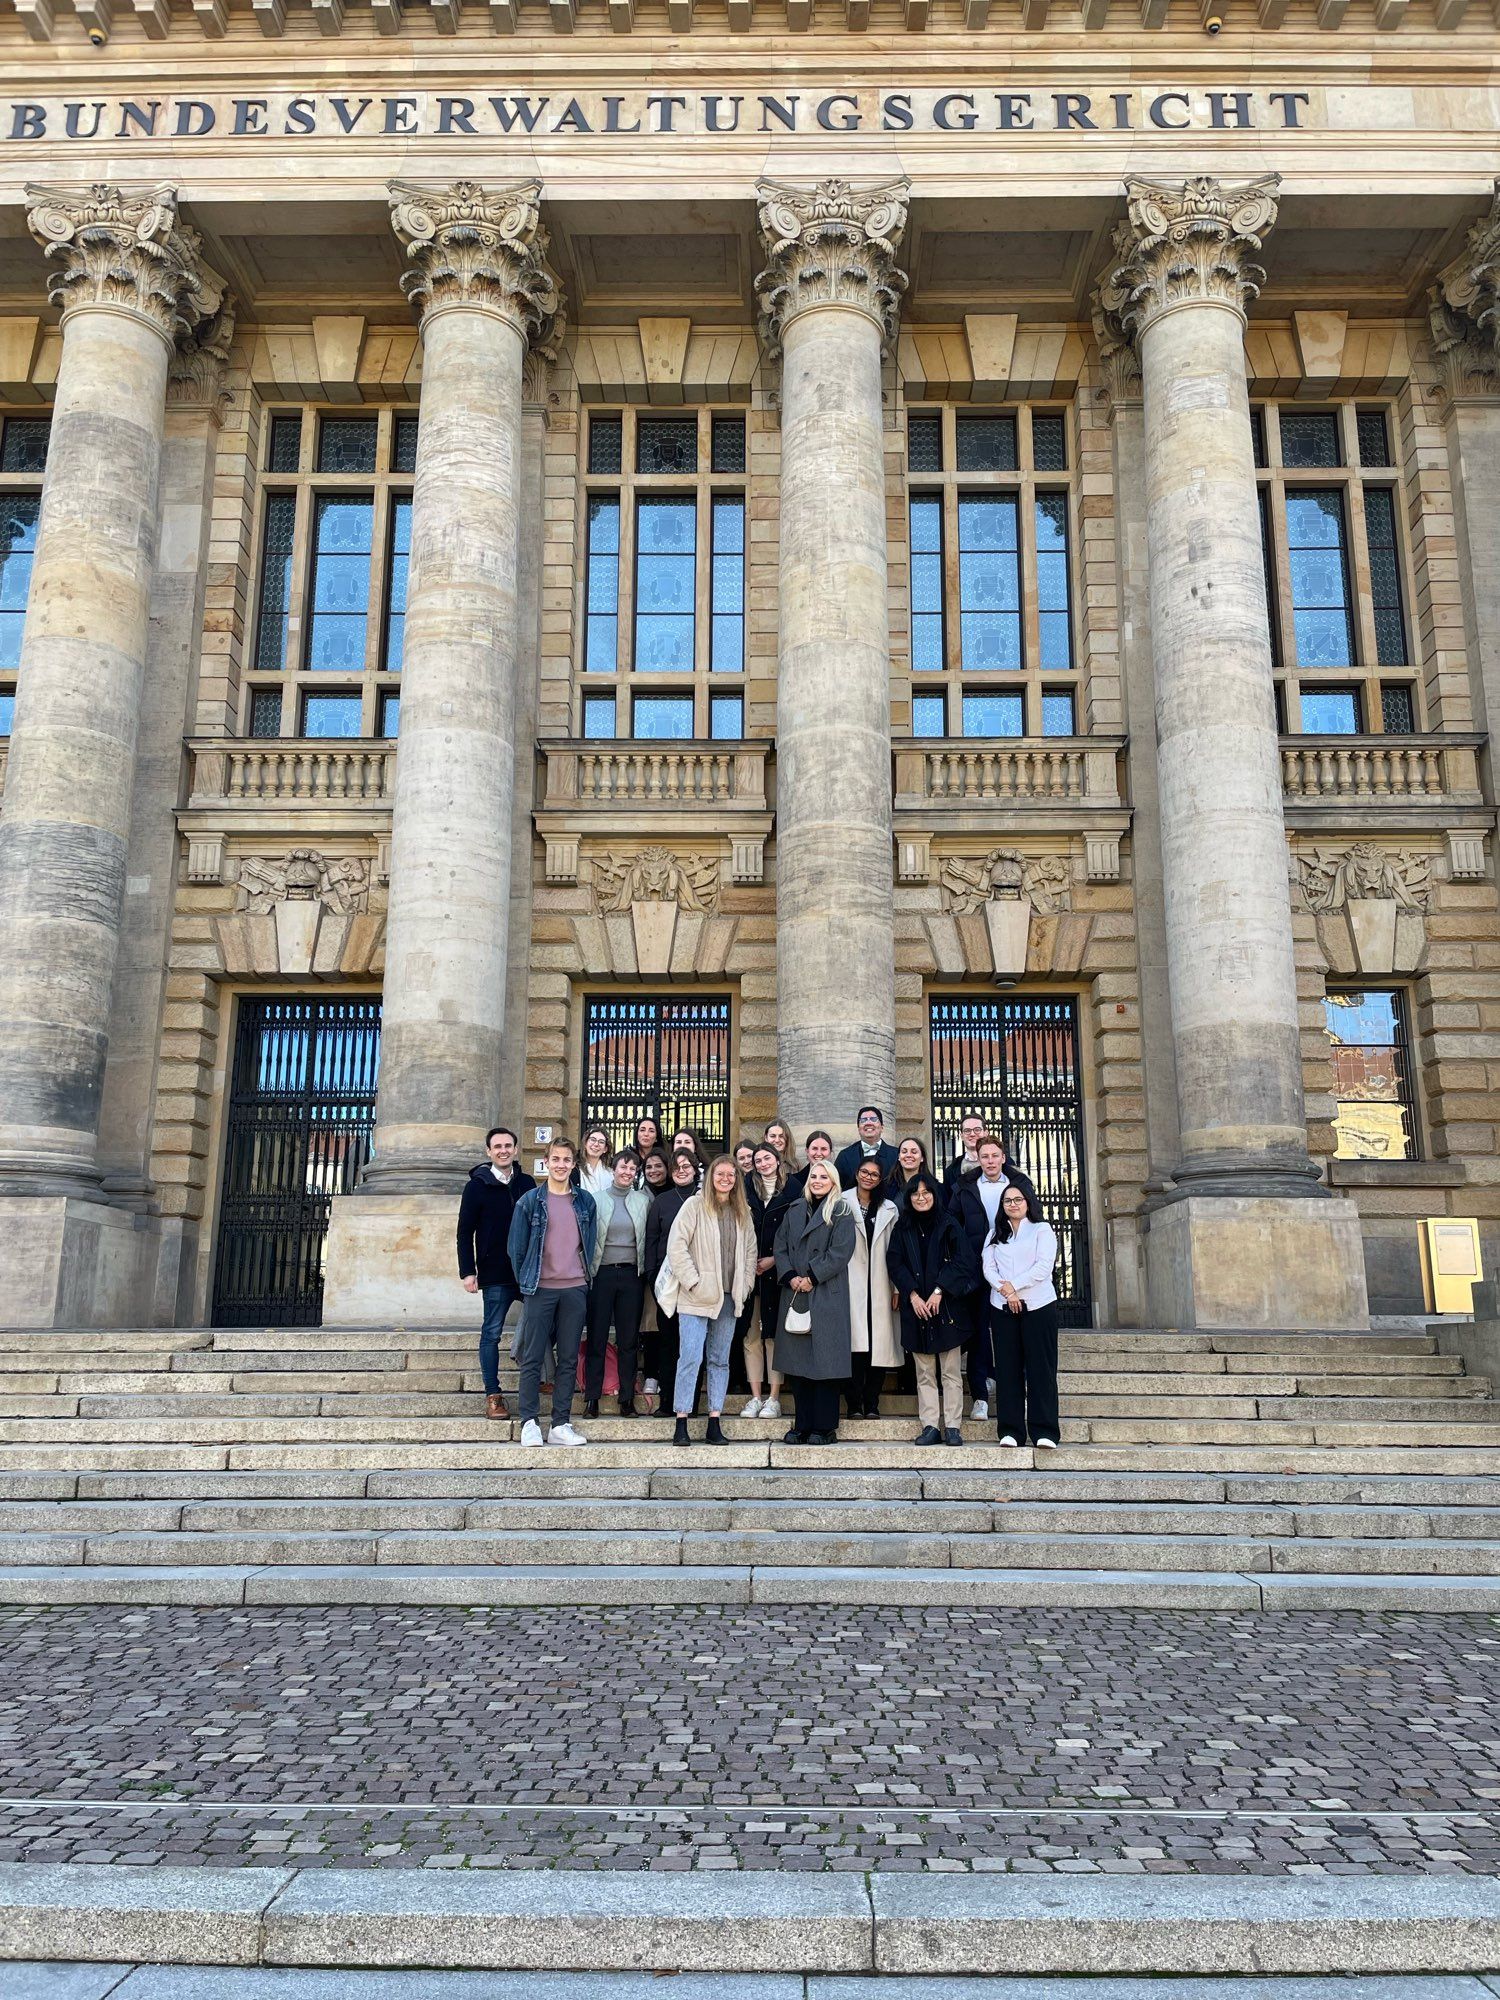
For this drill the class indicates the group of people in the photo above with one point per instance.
(657, 1263)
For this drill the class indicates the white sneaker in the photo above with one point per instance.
(651, 1387)
(753, 1408)
(770, 1408)
(989, 1385)
(532, 1433)
(980, 1410)
(565, 1434)
(1046, 1444)
(1008, 1439)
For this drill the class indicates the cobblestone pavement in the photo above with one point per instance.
(671, 1738)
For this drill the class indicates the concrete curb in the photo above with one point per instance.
(561, 1921)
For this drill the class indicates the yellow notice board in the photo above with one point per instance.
(1450, 1262)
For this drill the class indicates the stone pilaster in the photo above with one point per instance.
(1464, 313)
(828, 303)
(1236, 1241)
(478, 278)
(127, 275)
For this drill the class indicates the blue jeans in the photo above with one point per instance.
(498, 1300)
(695, 1334)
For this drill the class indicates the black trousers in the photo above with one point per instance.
(614, 1298)
(817, 1405)
(1025, 1346)
(865, 1385)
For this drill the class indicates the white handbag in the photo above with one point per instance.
(667, 1289)
(798, 1320)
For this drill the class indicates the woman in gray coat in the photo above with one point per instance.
(813, 1248)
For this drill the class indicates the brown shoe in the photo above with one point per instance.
(494, 1406)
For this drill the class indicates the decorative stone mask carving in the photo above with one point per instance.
(304, 876)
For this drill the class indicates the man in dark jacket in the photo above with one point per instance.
(868, 1146)
(489, 1199)
(974, 1204)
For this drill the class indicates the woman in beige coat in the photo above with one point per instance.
(711, 1263)
(874, 1335)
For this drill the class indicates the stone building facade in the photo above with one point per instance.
(910, 555)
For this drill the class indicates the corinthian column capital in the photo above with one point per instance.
(1464, 310)
(126, 249)
(830, 245)
(484, 248)
(1186, 242)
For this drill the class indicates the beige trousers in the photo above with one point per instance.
(951, 1363)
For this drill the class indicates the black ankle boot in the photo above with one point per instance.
(680, 1435)
(714, 1435)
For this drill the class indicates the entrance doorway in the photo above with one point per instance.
(661, 1059)
(1014, 1062)
(301, 1119)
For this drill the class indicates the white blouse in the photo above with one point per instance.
(595, 1180)
(1026, 1263)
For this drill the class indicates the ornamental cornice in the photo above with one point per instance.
(1464, 311)
(469, 245)
(1186, 242)
(830, 245)
(126, 249)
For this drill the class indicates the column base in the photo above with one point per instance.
(392, 1260)
(1255, 1261)
(67, 1262)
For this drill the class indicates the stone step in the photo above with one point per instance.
(673, 1583)
(1379, 1409)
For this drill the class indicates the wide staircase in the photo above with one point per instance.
(300, 1466)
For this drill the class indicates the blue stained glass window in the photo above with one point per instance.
(1309, 437)
(929, 715)
(927, 583)
(331, 715)
(666, 444)
(1057, 712)
(343, 524)
(7, 710)
(602, 586)
(276, 582)
(989, 583)
(666, 570)
(1054, 613)
(1319, 572)
(347, 444)
(1049, 441)
(726, 717)
(598, 716)
(390, 714)
(265, 711)
(663, 717)
(398, 570)
(1385, 576)
(727, 446)
(727, 634)
(285, 447)
(23, 444)
(19, 513)
(994, 715)
(1330, 711)
(986, 444)
(404, 445)
(605, 446)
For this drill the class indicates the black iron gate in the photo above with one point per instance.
(662, 1059)
(301, 1116)
(1014, 1063)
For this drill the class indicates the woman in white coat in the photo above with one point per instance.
(1019, 1259)
(874, 1331)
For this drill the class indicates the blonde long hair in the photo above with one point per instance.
(789, 1157)
(735, 1200)
(835, 1193)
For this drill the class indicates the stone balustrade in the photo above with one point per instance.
(1360, 768)
(1081, 770)
(618, 774)
(288, 769)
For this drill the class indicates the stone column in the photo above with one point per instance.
(127, 276)
(829, 300)
(1465, 318)
(478, 278)
(1247, 1235)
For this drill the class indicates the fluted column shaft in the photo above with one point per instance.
(477, 274)
(1180, 287)
(126, 274)
(829, 298)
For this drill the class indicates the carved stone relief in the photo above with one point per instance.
(304, 875)
(657, 891)
(302, 912)
(1005, 891)
(1369, 902)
